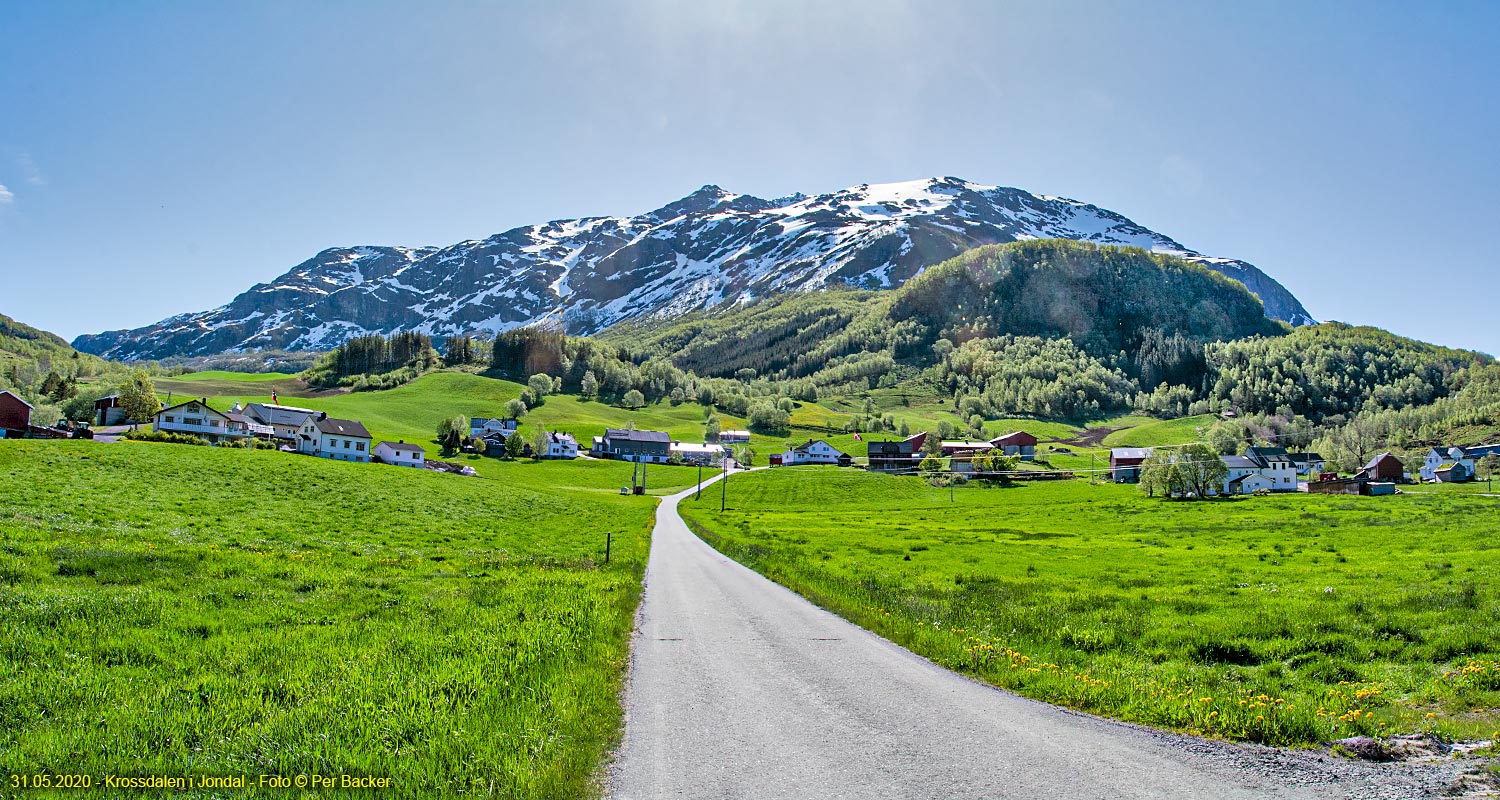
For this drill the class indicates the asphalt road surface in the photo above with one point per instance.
(739, 688)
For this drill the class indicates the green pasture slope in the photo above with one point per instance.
(412, 412)
(170, 609)
(1291, 619)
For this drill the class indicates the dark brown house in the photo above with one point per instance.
(15, 416)
(1384, 467)
(895, 456)
(631, 445)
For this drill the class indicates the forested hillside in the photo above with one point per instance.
(44, 370)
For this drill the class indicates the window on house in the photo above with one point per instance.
(169, 418)
(360, 446)
(346, 444)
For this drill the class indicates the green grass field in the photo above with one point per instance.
(1290, 619)
(174, 609)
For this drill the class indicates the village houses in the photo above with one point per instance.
(1453, 464)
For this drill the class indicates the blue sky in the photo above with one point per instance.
(159, 158)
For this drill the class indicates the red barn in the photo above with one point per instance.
(1018, 443)
(15, 415)
(1384, 467)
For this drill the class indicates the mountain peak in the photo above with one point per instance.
(706, 250)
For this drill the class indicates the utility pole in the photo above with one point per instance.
(643, 476)
(609, 536)
(700, 481)
(1093, 466)
(724, 488)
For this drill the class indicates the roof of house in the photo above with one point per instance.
(1305, 456)
(810, 442)
(1268, 453)
(1128, 453)
(17, 397)
(1018, 438)
(508, 422)
(1448, 467)
(563, 438)
(1240, 462)
(278, 415)
(1479, 450)
(1382, 457)
(638, 436)
(740, 434)
(691, 447)
(967, 445)
(203, 403)
(403, 446)
(342, 427)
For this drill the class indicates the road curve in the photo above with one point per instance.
(739, 688)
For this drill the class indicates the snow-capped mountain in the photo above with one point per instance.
(707, 249)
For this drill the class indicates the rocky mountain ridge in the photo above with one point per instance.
(708, 249)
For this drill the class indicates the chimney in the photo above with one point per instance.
(322, 415)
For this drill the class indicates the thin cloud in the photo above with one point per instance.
(29, 169)
(6, 197)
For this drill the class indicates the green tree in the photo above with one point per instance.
(539, 443)
(589, 386)
(80, 407)
(451, 434)
(633, 399)
(1159, 475)
(1201, 470)
(515, 408)
(515, 445)
(931, 464)
(905, 429)
(138, 397)
(932, 445)
(711, 428)
(540, 386)
(1490, 464)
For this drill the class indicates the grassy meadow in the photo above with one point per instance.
(1289, 620)
(173, 609)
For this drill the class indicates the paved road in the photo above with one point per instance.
(741, 689)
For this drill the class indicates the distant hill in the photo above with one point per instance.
(1107, 300)
(710, 250)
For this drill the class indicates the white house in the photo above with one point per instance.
(1457, 463)
(561, 445)
(480, 427)
(285, 421)
(705, 454)
(338, 439)
(1272, 464)
(195, 418)
(1248, 483)
(814, 452)
(734, 437)
(401, 454)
